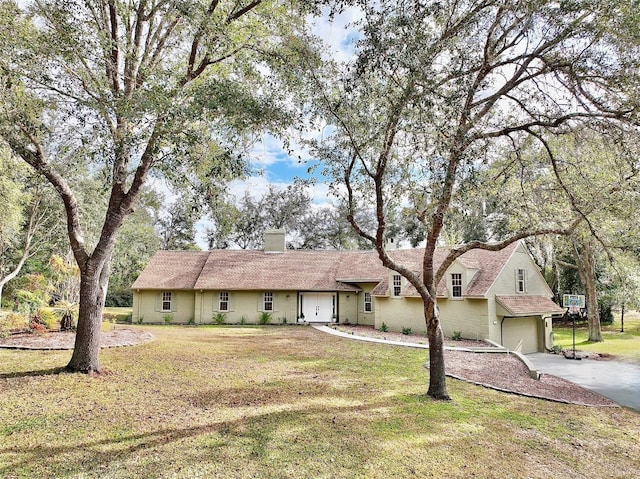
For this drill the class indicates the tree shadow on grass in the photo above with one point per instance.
(40, 372)
(98, 456)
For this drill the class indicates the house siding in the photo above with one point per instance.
(145, 307)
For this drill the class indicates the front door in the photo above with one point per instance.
(317, 307)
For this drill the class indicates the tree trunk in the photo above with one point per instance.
(93, 286)
(437, 376)
(587, 271)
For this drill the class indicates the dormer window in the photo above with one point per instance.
(397, 284)
(521, 280)
(456, 285)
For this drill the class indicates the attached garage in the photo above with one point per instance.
(525, 322)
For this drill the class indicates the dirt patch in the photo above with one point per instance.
(56, 340)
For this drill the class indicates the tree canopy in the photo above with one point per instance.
(123, 90)
(440, 90)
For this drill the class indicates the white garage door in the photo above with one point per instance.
(526, 330)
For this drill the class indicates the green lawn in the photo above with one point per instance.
(625, 345)
(287, 402)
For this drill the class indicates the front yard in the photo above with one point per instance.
(281, 402)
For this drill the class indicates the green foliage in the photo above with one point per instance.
(282, 320)
(168, 318)
(243, 319)
(220, 318)
(456, 336)
(605, 308)
(47, 317)
(121, 298)
(28, 303)
(264, 318)
(140, 319)
(383, 327)
(12, 322)
(192, 320)
(406, 331)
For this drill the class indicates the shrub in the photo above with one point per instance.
(168, 318)
(243, 319)
(48, 318)
(283, 320)
(384, 328)
(11, 322)
(406, 331)
(265, 317)
(457, 336)
(192, 320)
(220, 318)
(67, 322)
(140, 319)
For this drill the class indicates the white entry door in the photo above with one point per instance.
(317, 307)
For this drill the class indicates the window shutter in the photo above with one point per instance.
(174, 302)
(526, 280)
(260, 305)
(275, 302)
(230, 301)
(373, 304)
(158, 301)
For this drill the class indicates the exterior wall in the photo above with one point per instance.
(505, 283)
(469, 316)
(145, 306)
(246, 307)
(354, 310)
(348, 307)
(400, 312)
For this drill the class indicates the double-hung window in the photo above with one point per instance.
(368, 306)
(456, 285)
(223, 303)
(521, 280)
(268, 301)
(397, 284)
(166, 301)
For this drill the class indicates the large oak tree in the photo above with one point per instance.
(441, 89)
(129, 88)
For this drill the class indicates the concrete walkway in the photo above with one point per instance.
(617, 380)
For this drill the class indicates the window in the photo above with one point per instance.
(521, 280)
(367, 303)
(456, 285)
(166, 301)
(268, 301)
(397, 285)
(223, 304)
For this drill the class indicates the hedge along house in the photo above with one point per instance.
(500, 296)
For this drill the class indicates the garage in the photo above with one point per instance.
(526, 330)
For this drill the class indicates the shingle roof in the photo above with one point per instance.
(528, 305)
(172, 270)
(291, 270)
(303, 270)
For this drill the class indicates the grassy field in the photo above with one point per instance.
(625, 345)
(287, 402)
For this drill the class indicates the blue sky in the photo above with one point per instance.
(271, 162)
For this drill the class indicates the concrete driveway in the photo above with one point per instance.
(617, 380)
